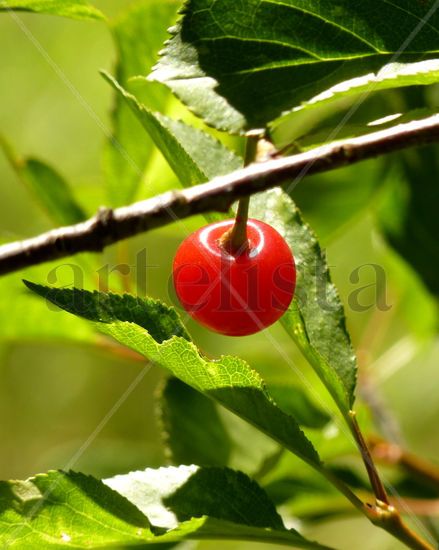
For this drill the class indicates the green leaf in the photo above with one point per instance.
(25, 318)
(239, 65)
(315, 320)
(60, 509)
(192, 427)
(228, 380)
(49, 188)
(158, 319)
(294, 401)
(193, 155)
(138, 35)
(177, 494)
(196, 430)
(336, 192)
(211, 528)
(302, 118)
(75, 9)
(408, 212)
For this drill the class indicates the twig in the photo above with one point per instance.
(374, 478)
(392, 454)
(110, 226)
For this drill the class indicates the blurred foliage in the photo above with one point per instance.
(69, 398)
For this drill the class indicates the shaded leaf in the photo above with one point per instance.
(229, 380)
(408, 212)
(198, 431)
(348, 192)
(193, 431)
(49, 188)
(192, 427)
(315, 320)
(75, 9)
(138, 35)
(345, 193)
(294, 401)
(177, 494)
(239, 65)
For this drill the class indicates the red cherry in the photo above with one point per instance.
(235, 294)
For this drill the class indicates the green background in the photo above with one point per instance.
(54, 105)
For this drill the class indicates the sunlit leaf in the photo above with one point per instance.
(75, 9)
(228, 380)
(193, 155)
(138, 35)
(168, 505)
(315, 320)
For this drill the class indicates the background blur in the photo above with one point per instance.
(65, 401)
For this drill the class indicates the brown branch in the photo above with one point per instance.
(374, 478)
(393, 455)
(110, 226)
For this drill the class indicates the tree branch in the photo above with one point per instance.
(394, 455)
(110, 226)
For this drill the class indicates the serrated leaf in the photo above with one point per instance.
(179, 494)
(239, 65)
(302, 118)
(75, 9)
(228, 380)
(60, 509)
(197, 430)
(138, 35)
(48, 187)
(193, 155)
(154, 316)
(315, 320)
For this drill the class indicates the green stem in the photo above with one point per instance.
(389, 519)
(382, 513)
(374, 478)
(235, 240)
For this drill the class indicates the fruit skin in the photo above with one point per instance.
(236, 294)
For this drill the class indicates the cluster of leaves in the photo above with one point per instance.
(291, 68)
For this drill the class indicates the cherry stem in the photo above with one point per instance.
(235, 240)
